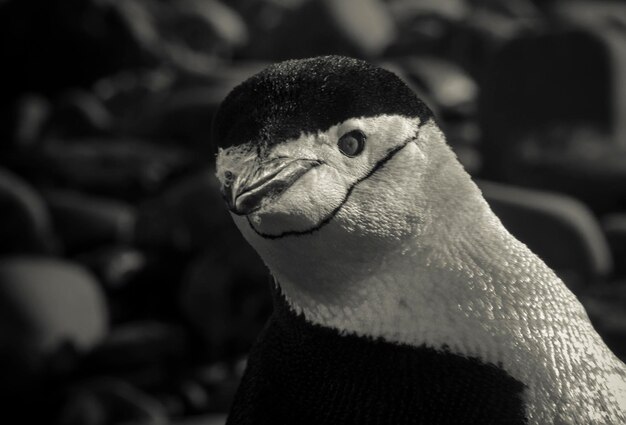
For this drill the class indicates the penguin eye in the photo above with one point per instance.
(352, 143)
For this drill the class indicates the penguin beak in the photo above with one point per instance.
(261, 180)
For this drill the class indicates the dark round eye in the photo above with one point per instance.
(352, 143)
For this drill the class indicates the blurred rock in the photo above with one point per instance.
(223, 293)
(75, 41)
(51, 312)
(46, 302)
(115, 265)
(604, 21)
(85, 222)
(119, 168)
(221, 380)
(505, 20)
(406, 10)
(32, 113)
(449, 87)
(25, 223)
(362, 28)
(128, 86)
(195, 396)
(557, 124)
(107, 401)
(224, 290)
(226, 24)
(614, 227)
(425, 27)
(189, 35)
(464, 32)
(184, 115)
(145, 353)
(608, 15)
(79, 41)
(168, 108)
(78, 113)
(187, 216)
(225, 296)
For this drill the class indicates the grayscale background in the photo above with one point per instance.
(126, 294)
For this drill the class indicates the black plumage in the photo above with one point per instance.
(302, 373)
(310, 95)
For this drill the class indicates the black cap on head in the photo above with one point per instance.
(310, 95)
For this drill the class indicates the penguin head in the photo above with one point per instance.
(328, 155)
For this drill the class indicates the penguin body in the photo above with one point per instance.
(301, 373)
(385, 252)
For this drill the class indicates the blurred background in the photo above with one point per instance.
(126, 294)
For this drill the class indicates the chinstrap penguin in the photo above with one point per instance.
(399, 296)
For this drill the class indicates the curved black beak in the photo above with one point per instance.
(263, 180)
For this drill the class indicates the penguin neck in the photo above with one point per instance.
(460, 297)
(456, 281)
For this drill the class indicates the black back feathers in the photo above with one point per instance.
(306, 374)
(310, 95)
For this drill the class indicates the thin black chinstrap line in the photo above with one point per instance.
(334, 212)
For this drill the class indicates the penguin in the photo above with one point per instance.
(399, 297)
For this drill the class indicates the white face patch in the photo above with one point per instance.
(316, 197)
